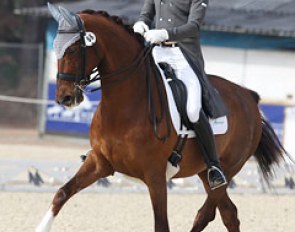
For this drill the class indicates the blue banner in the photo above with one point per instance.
(275, 114)
(77, 120)
(70, 121)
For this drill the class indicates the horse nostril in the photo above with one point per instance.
(67, 100)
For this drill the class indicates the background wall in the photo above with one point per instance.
(269, 72)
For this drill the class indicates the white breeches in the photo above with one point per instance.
(183, 71)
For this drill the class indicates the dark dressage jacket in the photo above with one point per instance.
(182, 19)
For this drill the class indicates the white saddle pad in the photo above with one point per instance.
(218, 125)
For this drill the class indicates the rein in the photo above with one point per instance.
(82, 80)
(151, 103)
(144, 54)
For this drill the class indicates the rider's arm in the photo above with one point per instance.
(147, 12)
(192, 27)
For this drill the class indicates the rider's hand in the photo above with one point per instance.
(140, 27)
(156, 36)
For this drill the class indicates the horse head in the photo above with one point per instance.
(71, 47)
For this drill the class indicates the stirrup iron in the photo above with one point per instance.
(221, 179)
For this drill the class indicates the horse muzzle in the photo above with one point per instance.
(70, 100)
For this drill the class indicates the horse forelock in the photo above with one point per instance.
(117, 20)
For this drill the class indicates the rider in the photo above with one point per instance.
(177, 33)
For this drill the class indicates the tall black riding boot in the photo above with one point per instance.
(206, 140)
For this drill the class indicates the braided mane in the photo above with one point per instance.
(116, 20)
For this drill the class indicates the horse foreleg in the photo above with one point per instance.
(205, 215)
(229, 214)
(158, 194)
(208, 211)
(94, 167)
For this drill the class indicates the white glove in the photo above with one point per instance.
(156, 36)
(140, 27)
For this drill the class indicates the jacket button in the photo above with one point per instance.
(161, 19)
(162, 3)
(169, 20)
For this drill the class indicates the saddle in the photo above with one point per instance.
(178, 96)
(185, 129)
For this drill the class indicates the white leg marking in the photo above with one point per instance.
(171, 170)
(46, 223)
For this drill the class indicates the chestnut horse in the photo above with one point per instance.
(123, 138)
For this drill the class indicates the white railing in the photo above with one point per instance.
(48, 176)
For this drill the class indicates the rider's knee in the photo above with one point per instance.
(193, 114)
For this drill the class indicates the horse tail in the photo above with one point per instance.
(270, 151)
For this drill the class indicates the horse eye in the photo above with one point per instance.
(71, 50)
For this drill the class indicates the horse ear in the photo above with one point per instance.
(69, 17)
(54, 11)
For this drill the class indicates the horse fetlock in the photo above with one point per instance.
(58, 201)
(233, 226)
(232, 223)
(202, 220)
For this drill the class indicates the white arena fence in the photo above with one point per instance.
(48, 176)
(25, 100)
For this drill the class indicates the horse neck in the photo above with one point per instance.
(128, 89)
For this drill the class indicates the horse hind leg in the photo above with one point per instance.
(207, 212)
(229, 214)
(94, 168)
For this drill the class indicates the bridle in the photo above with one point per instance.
(82, 80)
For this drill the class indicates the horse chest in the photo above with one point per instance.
(122, 156)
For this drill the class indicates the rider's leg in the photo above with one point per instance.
(203, 130)
(206, 140)
(201, 124)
